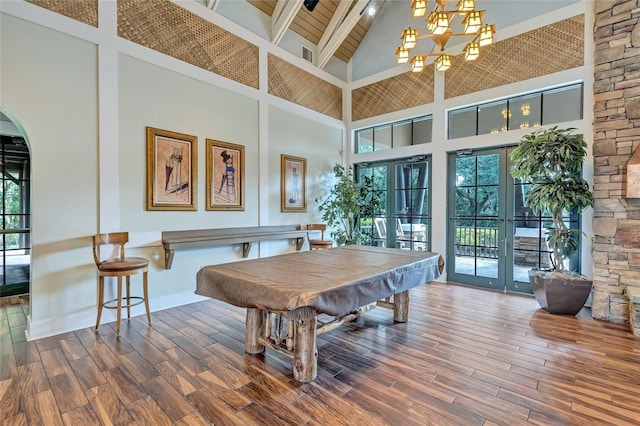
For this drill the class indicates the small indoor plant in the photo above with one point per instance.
(343, 207)
(550, 160)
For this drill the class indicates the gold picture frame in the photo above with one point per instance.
(225, 175)
(171, 170)
(293, 184)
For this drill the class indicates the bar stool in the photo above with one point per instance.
(119, 267)
(315, 243)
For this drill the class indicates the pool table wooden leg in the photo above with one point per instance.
(401, 306)
(252, 331)
(305, 353)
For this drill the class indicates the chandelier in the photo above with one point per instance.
(439, 23)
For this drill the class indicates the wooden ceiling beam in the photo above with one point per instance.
(283, 14)
(212, 4)
(336, 19)
(340, 33)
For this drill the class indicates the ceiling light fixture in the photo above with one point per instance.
(310, 4)
(438, 23)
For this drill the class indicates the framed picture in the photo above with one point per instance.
(293, 190)
(171, 170)
(225, 176)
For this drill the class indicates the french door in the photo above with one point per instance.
(402, 218)
(493, 238)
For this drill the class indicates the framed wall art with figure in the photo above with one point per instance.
(225, 176)
(171, 170)
(293, 193)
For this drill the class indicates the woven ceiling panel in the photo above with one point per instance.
(85, 11)
(295, 85)
(167, 28)
(393, 94)
(556, 47)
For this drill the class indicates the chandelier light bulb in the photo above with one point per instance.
(409, 38)
(402, 55)
(486, 35)
(431, 21)
(419, 7)
(443, 62)
(472, 22)
(471, 51)
(442, 23)
(466, 5)
(417, 63)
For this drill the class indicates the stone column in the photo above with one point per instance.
(616, 255)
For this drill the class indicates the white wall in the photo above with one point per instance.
(84, 98)
(321, 145)
(150, 95)
(48, 82)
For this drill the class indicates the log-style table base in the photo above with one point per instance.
(299, 340)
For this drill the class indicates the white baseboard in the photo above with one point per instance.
(87, 318)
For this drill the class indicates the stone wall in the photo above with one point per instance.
(616, 253)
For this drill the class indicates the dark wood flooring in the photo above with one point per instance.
(467, 356)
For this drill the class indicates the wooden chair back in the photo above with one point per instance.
(315, 243)
(114, 238)
(316, 227)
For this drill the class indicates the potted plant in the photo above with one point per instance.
(551, 162)
(347, 202)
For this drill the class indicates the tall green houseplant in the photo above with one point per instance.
(347, 202)
(551, 161)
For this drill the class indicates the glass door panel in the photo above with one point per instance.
(476, 213)
(411, 205)
(403, 216)
(373, 221)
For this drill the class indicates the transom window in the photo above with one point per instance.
(408, 132)
(530, 110)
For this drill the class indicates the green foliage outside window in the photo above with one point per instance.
(347, 203)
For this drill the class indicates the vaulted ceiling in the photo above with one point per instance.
(336, 27)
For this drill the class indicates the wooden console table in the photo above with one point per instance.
(174, 240)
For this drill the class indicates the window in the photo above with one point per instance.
(531, 110)
(462, 122)
(394, 135)
(15, 253)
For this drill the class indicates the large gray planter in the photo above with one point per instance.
(558, 293)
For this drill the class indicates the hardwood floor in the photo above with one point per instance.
(467, 356)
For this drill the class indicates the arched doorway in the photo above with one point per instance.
(15, 210)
